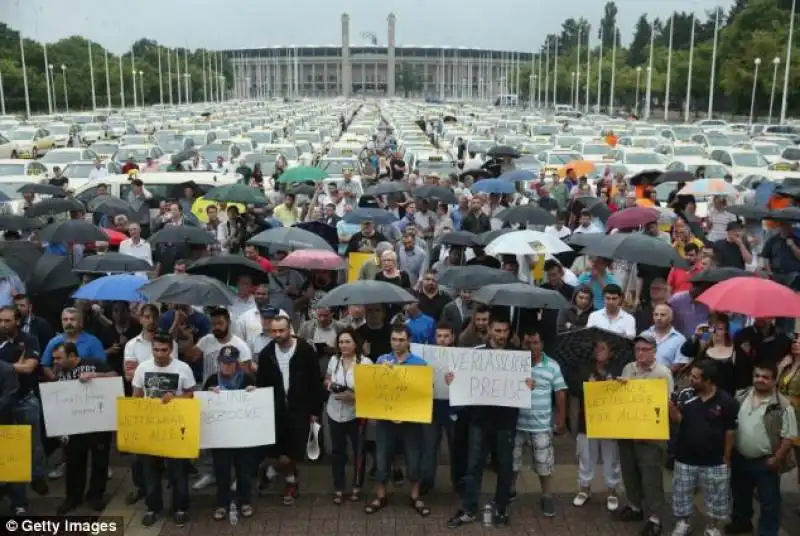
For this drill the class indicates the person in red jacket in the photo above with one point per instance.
(129, 165)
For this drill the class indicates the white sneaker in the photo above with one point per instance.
(682, 528)
(580, 499)
(110, 474)
(203, 482)
(612, 503)
(57, 472)
(712, 531)
(233, 486)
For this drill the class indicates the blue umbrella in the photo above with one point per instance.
(493, 186)
(118, 287)
(518, 175)
(377, 215)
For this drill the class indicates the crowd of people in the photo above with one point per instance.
(733, 381)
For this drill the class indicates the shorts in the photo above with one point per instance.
(541, 445)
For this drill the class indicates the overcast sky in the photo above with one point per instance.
(229, 24)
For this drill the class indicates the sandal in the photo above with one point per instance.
(337, 498)
(220, 514)
(419, 505)
(246, 510)
(355, 496)
(377, 504)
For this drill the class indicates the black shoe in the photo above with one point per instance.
(739, 527)
(513, 496)
(651, 529)
(425, 488)
(149, 518)
(628, 514)
(398, 477)
(66, 507)
(500, 520)
(97, 504)
(371, 473)
(461, 518)
(40, 486)
(134, 497)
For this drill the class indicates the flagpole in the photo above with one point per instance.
(547, 73)
(649, 89)
(600, 73)
(555, 71)
(47, 81)
(788, 64)
(133, 75)
(121, 84)
(588, 68)
(205, 80)
(91, 76)
(689, 77)
(669, 67)
(713, 67)
(613, 72)
(160, 79)
(108, 81)
(25, 77)
(576, 97)
(169, 75)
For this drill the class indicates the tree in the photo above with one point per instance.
(607, 25)
(641, 42)
(407, 79)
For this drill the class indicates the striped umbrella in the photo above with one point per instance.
(708, 187)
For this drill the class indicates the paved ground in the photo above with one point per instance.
(315, 514)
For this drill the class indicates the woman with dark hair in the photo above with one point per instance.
(711, 342)
(342, 421)
(576, 316)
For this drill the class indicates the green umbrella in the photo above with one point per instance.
(303, 174)
(236, 193)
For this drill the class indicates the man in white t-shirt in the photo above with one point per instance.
(166, 378)
(140, 348)
(559, 229)
(612, 317)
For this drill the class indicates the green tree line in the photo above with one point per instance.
(73, 53)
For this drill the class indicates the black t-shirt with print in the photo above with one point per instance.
(83, 366)
(12, 350)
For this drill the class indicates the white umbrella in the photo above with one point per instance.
(526, 243)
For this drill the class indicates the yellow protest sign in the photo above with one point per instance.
(397, 393)
(636, 409)
(148, 426)
(15, 453)
(355, 261)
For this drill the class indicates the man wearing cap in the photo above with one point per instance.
(732, 251)
(642, 461)
(365, 240)
(129, 165)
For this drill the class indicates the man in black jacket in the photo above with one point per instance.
(291, 367)
(9, 388)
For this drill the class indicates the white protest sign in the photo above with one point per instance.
(236, 419)
(437, 357)
(74, 407)
(488, 377)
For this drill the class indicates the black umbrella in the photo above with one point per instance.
(474, 277)
(303, 189)
(112, 206)
(519, 295)
(13, 222)
(716, 275)
(52, 273)
(575, 348)
(378, 216)
(386, 188)
(645, 177)
(475, 174)
(366, 293)
(484, 239)
(188, 289)
(42, 189)
(526, 215)
(595, 206)
(108, 263)
(182, 234)
(636, 247)
(674, 176)
(54, 205)
(788, 214)
(503, 151)
(749, 212)
(20, 256)
(437, 193)
(72, 231)
(290, 239)
(228, 268)
(578, 241)
(459, 238)
(181, 157)
(322, 229)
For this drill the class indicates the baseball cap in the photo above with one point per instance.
(228, 354)
(646, 337)
(269, 312)
(734, 226)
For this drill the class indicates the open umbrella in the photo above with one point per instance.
(484, 239)
(493, 186)
(386, 188)
(475, 174)
(42, 189)
(52, 273)
(749, 212)
(111, 263)
(112, 206)
(289, 239)
(636, 247)
(13, 222)
(189, 289)
(474, 277)
(581, 168)
(752, 296)
(648, 176)
(631, 218)
(72, 231)
(708, 187)
(458, 238)
(503, 151)
(182, 234)
(527, 243)
(788, 214)
(313, 259)
(519, 295)
(20, 256)
(518, 175)
(526, 215)
(54, 205)
(718, 275)
(118, 287)
(229, 268)
(377, 215)
(578, 241)
(438, 193)
(595, 206)
(574, 348)
(236, 193)
(303, 174)
(321, 229)
(366, 293)
(674, 176)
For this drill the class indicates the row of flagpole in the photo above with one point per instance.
(212, 79)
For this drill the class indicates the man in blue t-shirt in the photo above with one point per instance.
(597, 280)
(89, 346)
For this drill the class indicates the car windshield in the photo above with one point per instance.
(261, 137)
(527, 162)
(545, 130)
(768, 150)
(554, 159)
(10, 189)
(567, 141)
(138, 155)
(712, 171)
(642, 159)
(211, 152)
(749, 160)
(718, 140)
(92, 128)
(737, 137)
(685, 133)
(198, 139)
(529, 148)
(595, 149)
(59, 130)
(104, 148)
(479, 146)
(644, 143)
(645, 132)
(21, 135)
(134, 140)
(689, 150)
(12, 169)
(337, 167)
(172, 145)
(78, 171)
(267, 162)
(60, 157)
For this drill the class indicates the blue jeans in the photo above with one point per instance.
(341, 433)
(481, 442)
(137, 473)
(750, 474)
(386, 435)
(178, 479)
(28, 411)
(241, 461)
(432, 441)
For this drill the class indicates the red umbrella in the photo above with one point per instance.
(752, 296)
(313, 259)
(633, 217)
(115, 238)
